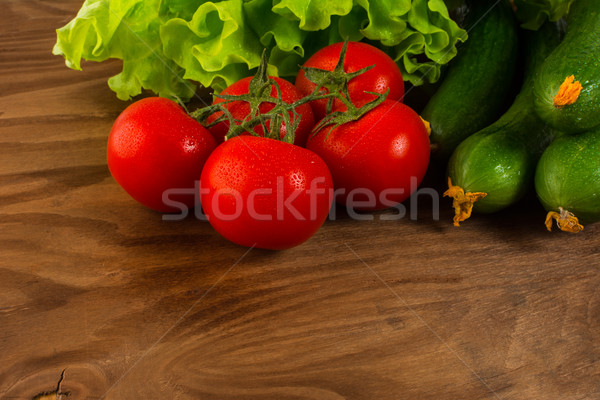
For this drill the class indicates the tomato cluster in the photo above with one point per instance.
(272, 184)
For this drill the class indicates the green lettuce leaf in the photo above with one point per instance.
(411, 30)
(127, 30)
(168, 46)
(215, 47)
(312, 15)
(532, 13)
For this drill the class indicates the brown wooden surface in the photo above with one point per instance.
(133, 307)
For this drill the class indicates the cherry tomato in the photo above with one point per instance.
(383, 76)
(264, 193)
(240, 110)
(378, 160)
(156, 152)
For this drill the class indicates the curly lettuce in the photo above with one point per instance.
(532, 13)
(127, 30)
(170, 46)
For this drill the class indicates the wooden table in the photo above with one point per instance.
(127, 306)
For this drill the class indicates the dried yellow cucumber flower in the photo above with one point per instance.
(565, 220)
(463, 202)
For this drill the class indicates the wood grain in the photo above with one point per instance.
(133, 307)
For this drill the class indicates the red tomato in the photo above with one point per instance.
(378, 160)
(385, 74)
(241, 109)
(265, 193)
(155, 146)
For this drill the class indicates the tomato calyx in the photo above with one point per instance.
(352, 113)
(259, 92)
(335, 81)
(336, 84)
(330, 85)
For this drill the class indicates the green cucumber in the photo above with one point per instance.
(494, 168)
(479, 80)
(577, 108)
(567, 180)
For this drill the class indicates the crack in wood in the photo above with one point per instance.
(56, 394)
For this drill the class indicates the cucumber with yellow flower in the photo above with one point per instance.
(567, 90)
(494, 168)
